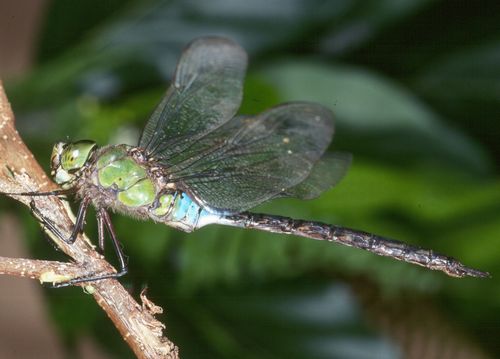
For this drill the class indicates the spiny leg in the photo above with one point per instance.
(57, 192)
(50, 226)
(47, 225)
(104, 215)
(44, 220)
(80, 220)
(103, 220)
(77, 228)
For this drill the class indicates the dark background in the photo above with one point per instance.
(415, 86)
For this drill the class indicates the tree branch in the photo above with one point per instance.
(19, 172)
(44, 271)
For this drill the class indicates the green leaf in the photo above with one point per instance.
(306, 319)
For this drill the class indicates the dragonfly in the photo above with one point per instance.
(199, 163)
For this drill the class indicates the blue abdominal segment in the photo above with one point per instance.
(185, 209)
(189, 213)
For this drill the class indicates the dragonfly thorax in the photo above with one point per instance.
(68, 160)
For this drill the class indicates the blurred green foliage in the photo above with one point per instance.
(415, 86)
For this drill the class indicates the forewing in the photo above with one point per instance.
(252, 159)
(205, 93)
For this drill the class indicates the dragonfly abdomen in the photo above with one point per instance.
(359, 239)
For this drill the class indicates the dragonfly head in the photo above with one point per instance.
(68, 160)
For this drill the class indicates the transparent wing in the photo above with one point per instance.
(252, 159)
(325, 174)
(205, 93)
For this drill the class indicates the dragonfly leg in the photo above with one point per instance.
(57, 192)
(116, 243)
(80, 220)
(89, 278)
(103, 220)
(46, 224)
(77, 228)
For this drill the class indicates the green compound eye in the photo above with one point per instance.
(75, 155)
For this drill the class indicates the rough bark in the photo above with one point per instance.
(20, 172)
